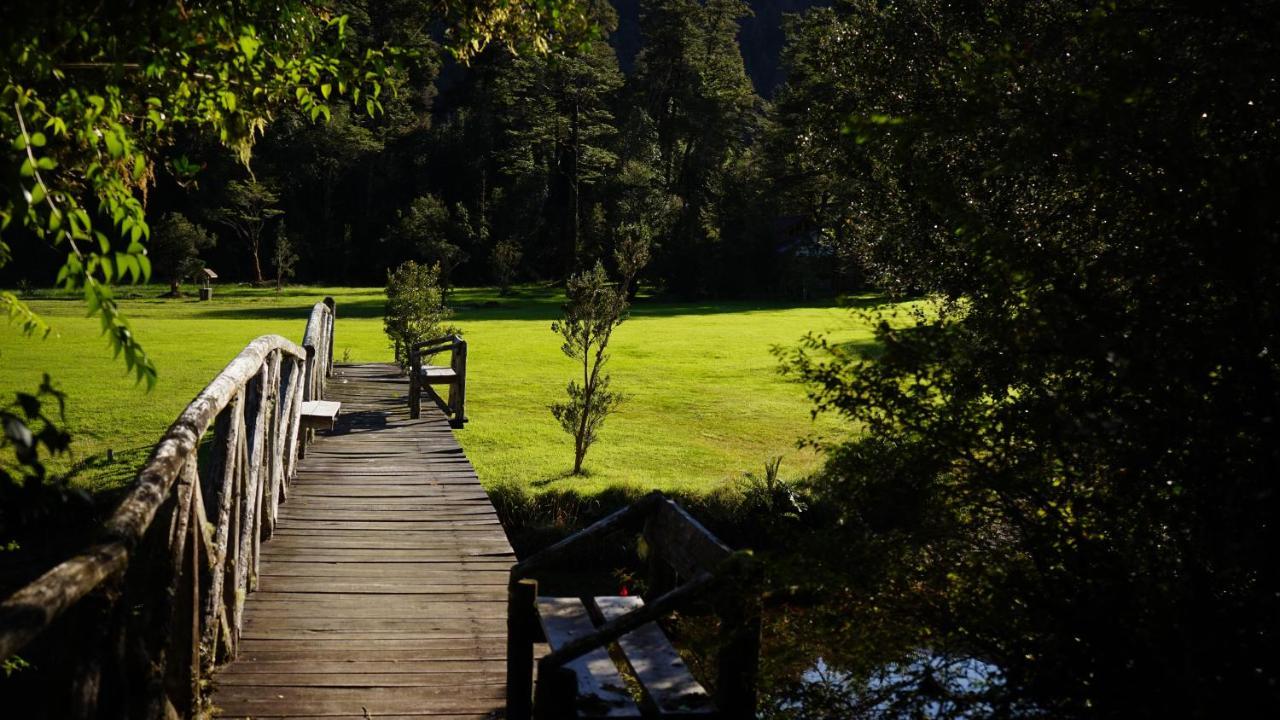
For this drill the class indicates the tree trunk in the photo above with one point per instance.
(254, 243)
(588, 389)
(575, 144)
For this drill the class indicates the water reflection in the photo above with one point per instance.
(925, 684)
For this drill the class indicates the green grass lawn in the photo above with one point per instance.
(704, 400)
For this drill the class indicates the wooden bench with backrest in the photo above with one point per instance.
(578, 678)
(425, 376)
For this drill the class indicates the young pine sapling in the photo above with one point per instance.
(594, 308)
(283, 258)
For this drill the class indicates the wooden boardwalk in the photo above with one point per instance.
(383, 591)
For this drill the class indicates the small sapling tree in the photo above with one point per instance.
(415, 307)
(505, 260)
(283, 258)
(594, 308)
(631, 253)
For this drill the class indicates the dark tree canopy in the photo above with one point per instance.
(1067, 464)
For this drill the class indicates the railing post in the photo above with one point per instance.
(225, 471)
(333, 317)
(557, 692)
(521, 598)
(311, 373)
(458, 393)
(415, 383)
(738, 659)
(272, 465)
(185, 662)
(297, 385)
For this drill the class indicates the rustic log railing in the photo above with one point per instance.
(422, 377)
(158, 601)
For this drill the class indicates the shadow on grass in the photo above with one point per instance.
(537, 303)
(544, 482)
(107, 478)
(364, 309)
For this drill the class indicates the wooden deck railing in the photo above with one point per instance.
(160, 594)
(423, 377)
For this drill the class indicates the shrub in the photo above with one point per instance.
(175, 248)
(415, 307)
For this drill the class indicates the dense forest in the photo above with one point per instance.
(1063, 467)
(514, 168)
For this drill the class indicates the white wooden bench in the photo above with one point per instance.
(422, 377)
(320, 414)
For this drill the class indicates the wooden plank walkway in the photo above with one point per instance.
(383, 592)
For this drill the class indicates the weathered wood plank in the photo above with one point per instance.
(383, 588)
(601, 690)
(668, 685)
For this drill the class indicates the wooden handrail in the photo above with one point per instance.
(196, 534)
(456, 407)
(629, 517)
(317, 340)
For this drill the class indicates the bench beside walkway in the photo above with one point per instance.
(383, 591)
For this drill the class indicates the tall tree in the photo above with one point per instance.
(689, 79)
(422, 232)
(559, 127)
(249, 207)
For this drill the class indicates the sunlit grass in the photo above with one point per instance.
(705, 402)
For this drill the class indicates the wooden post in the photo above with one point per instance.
(661, 577)
(557, 692)
(333, 317)
(415, 383)
(251, 498)
(184, 649)
(296, 373)
(97, 622)
(521, 599)
(458, 393)
(738, 659)
(273, 462)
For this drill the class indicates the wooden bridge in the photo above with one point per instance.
(384, 588)
(362, 574)
(256, 570)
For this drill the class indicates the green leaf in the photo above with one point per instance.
(249, 46)
(325, 89)
(28, 169)
(37, 139)
(114, 146)
(20, 313)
